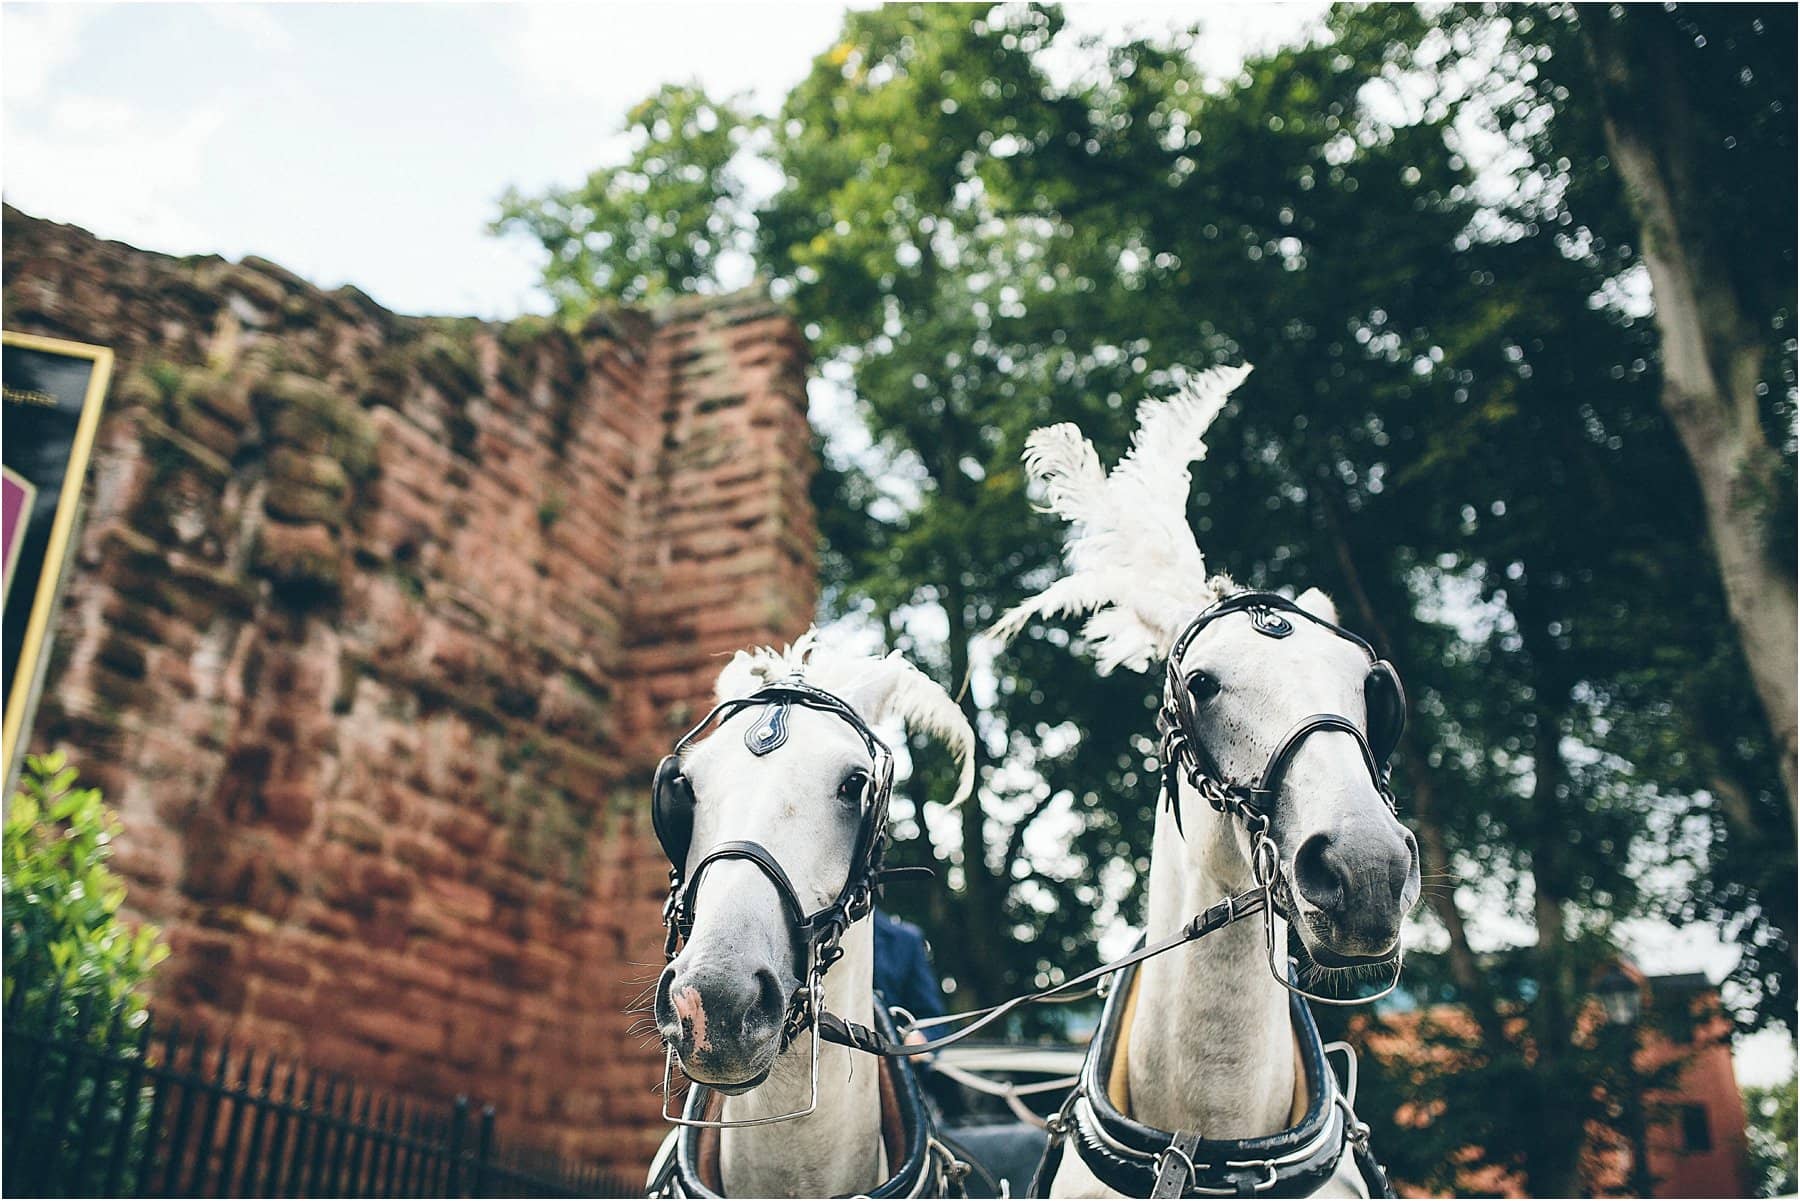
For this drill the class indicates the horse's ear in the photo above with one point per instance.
(1318, 604)
(895, 688)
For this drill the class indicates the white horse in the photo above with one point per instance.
(1204, 1043)
(770, 820)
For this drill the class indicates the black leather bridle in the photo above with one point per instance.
(1185, 757)
(819, 931)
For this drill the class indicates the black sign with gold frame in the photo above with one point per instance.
(53, 393)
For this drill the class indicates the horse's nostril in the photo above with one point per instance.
(768, 992)
(1320, 873)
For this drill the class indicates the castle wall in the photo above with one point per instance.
(376, 629)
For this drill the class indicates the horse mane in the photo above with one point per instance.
(878, 688)
(1133, 564)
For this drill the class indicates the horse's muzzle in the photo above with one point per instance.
(1354, 888)
(724, 1026)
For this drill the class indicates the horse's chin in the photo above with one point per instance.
(1324, 956)
(1316, 931)
(731, 1087)
(737, 1090)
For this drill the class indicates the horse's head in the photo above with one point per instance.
(810, 805)
(1349, 870)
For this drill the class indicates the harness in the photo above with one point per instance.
(1137, 1160)
(1185, 757)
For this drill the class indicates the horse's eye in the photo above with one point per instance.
(1202, 687)
(851, 790)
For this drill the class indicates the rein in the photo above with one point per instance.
(834, 1029)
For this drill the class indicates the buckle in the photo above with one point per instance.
(1168, 1184)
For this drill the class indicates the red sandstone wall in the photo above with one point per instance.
(377, 628)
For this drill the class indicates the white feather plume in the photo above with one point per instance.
(1132, 560)
(876, 688)
(751, 669)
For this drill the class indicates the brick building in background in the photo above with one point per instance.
(1694, 1139)
(375, 631)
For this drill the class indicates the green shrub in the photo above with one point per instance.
(64, 934)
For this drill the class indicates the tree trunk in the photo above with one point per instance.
(1553, 1162)
(1712, 353)
(984, 894)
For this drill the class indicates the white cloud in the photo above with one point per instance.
(103, 164)
(612, 55)
(39, 40)
(257, 23)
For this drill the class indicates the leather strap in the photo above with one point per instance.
(1131, 1158)
(758, 854)
(1177, 1166)
(834, 1029)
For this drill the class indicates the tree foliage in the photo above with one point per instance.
(657, 224)
(1773, 1138)
(1409, 222)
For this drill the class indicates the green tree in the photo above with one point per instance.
(653, 226)
(1771, 1112)
(929, 296)
(1455, 427)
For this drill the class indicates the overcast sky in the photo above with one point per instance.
(368, 143)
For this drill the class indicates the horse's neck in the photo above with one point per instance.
(836, 1150)
(1211, 1046)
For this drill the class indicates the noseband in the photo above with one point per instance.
(1184, 756)
(672, 813)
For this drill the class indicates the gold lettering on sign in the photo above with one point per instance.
(21, 396)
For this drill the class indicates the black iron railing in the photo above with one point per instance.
(93, 1108)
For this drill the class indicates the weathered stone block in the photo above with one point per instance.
(290, 805)
(403, 1030)
(295, 501)
(380, 878)
(354, 828)
(308, 415)
(302, 557)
